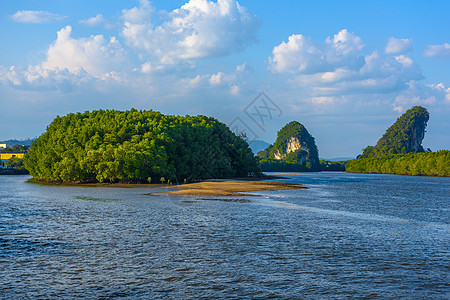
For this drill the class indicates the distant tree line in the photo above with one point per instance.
(14, 149)
(138, 146)
(275, 165)
(425, 163)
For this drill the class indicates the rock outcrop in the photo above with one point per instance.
(294, 144)
(404, 136)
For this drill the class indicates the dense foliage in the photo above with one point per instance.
(15, 163)
(137, 146)
(275, 165)
(307, 154)
(404, 136)
(426, 163)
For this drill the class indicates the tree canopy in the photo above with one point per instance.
(137, 146)
(426, 163)
(404, 136)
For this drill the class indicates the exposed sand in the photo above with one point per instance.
(229, 188)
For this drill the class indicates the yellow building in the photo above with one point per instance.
(6, 156)
(2, 145)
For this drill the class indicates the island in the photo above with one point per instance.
(400, 150)
(137, 146)
(295, 150)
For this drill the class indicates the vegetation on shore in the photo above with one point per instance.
(15, 149)
(14, 165)
(149, 147)
(138, 147)
(13, 171)
(275, 165)
(426, 163)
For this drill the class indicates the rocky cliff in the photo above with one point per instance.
(404, 136)
(293, 144)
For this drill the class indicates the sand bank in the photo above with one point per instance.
(229, 188)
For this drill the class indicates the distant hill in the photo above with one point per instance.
(404, 136)
(400, 150)
(9, 143)
(258, 145)
(294, 144)
(338, 158)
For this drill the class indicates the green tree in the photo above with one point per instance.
(133, 146)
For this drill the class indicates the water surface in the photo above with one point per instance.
(347, 236)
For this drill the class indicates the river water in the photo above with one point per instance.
(346, 236)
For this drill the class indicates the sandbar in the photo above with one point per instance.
(229, 188)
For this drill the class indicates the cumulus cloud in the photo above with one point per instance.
(199, 29)
(96, 55)
(38, 79)
(437, 50)
(303, 55)
(338, 66)
(398, 46)
(69, 63)
(36, 16)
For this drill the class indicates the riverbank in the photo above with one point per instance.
(211, 187)
(411, 164)
(227, 188)
(12, 171)
(97, 184)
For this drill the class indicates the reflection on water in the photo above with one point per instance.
(347, 236)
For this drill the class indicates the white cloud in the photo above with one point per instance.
(139, 15)
(398, 46)
(231, 83)
(96, 55)
(217, 78)
(98, 20)
(199, 29)
(338, 66)
(36, 16)
(344, 43)
(38, 78)
(303, 55)
(437, 50)
(417, 94)
(70, 62)
(300, 54)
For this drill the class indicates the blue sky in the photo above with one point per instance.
(344, 69)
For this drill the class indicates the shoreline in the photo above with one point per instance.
(141, 185)
(228, 188)
(210, 187)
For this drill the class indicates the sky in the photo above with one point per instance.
(346, 70)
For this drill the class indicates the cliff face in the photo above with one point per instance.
(293, 144)
(404, 136)
(417, 135)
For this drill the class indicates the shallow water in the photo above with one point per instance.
(347, 236)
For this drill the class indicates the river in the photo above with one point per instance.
(346, 236)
